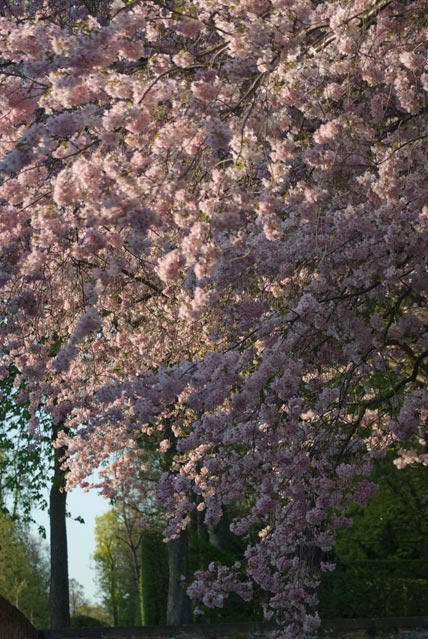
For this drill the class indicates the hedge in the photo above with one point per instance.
(386, 588)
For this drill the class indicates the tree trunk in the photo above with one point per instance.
(59, 589)
(178, 607)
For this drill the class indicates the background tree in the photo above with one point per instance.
(114, 560)
(130, 534)
(29, 464)
(77, 596)
(24, 572)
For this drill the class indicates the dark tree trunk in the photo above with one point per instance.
(178, 608)
(59, 589)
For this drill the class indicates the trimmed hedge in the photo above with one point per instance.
(154, 579)
(86, 621)
(375, 589)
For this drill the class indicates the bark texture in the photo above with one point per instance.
(59, 589)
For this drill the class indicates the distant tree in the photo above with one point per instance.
(24, 571)
(117, 565)
(77, 595)
(30, 464)
(130, 534)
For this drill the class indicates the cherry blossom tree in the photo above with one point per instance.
(213, 243)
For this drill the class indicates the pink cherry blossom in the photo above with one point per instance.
(213, 232)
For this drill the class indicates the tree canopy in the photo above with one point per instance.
(213, 222)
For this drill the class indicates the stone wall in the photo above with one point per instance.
(194, 631)
(397, 628)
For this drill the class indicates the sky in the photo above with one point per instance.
(81, 537)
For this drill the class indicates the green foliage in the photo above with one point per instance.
(22, 464)
(114, 567)
(76, 596)
(116, 558)
(394, 525)
(382, 561)
(24, 573)
(363, 590)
